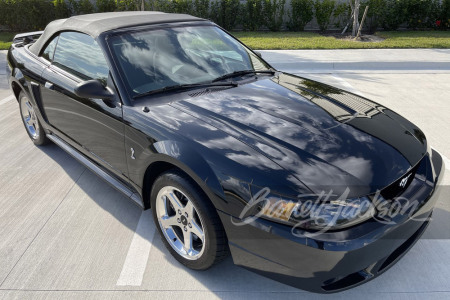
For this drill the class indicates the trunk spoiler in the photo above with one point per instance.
(27, 38)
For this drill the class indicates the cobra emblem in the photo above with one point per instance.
(404, 181)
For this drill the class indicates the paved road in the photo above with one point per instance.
(66, 234)
(361, 61)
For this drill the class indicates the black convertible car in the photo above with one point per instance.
(302, 182)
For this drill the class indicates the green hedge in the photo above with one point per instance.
(301, 13)
(416, 14)
(274, 15)
(21, 15)
(324, 11)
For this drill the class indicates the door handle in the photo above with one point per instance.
(49, 85)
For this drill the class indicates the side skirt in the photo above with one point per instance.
(97, 170)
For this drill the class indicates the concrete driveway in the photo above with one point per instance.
(64, 233)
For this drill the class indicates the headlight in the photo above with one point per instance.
(317, 215)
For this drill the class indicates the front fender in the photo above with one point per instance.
(183, 157)
(190, 162)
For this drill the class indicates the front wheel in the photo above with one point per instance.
(31, 122)
(187, 221)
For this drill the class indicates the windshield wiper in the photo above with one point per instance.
(244, 72)
(185, 87)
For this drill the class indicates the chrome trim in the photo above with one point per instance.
(97, 170)
(48, 85)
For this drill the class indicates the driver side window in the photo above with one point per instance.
(80, 55)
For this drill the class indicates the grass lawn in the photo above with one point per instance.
(5, 40)
(311, 40)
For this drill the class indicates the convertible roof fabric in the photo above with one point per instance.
(95, 24)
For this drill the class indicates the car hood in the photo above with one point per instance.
(329, 139)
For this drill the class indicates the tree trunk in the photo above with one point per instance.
(355, 19)
(362, 22)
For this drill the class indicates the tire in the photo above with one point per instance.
(174, 225)
(32, 125)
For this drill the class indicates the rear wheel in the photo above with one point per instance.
(30, 121)
(187, 221)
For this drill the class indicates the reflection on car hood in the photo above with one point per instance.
(327, 138)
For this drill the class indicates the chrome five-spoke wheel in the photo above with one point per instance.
(30, 121)
(180, 223)
(187, 221)
(29, 118)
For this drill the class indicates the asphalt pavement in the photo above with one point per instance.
(66, 234)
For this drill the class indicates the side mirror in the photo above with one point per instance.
(258, 53)
(93, 89)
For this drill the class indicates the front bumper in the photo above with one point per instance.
(329, 262)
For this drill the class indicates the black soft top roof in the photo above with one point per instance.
(95, 24)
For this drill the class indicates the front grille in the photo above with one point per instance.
(375, 269)
(411, 181)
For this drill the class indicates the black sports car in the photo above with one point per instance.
(304, 183)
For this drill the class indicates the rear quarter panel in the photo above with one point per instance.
(24, 74)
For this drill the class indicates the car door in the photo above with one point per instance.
(94, 125)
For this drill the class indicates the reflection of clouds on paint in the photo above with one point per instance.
(246, 110)
(296, 134)
(238, 152)
(252, 161)
(291, 160)
(357, 166)
(283, 134)
(362, 137)
(221, 143)
(208, 136)
(270, 150)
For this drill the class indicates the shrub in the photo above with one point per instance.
(434, 14)
(124, 5)
(27, 15)
(23, 15)
(4, 12)
(252, 11)
(80, 7)
(85, 7)
(393, 15)
(302, 12)
(181, 6)
(158, 5)
(61, 9)
(342, 14)
(225, 13)
(201, 8)
(444, 16)
(106, 5)
(323, 11)
(421, 13)
(273, 14)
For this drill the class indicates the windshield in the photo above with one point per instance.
(154, 59)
